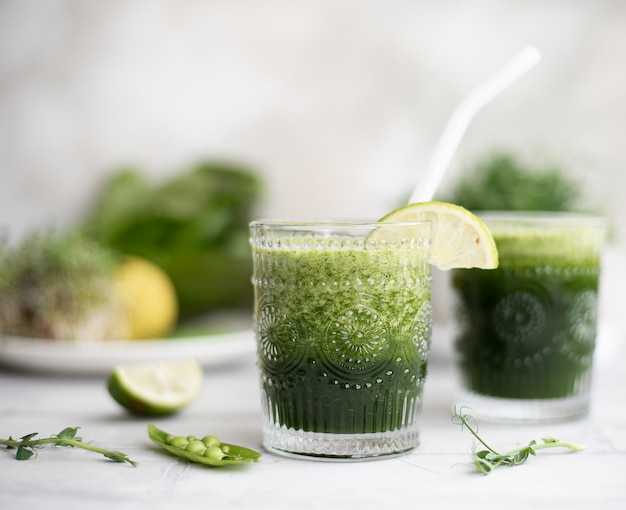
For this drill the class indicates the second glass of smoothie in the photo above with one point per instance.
(343, 327)
(527, 330)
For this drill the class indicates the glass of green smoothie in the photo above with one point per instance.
(343, 326)
(526, 332)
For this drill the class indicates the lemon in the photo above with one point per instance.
(156, 388)
(459, 238)
(148, 298)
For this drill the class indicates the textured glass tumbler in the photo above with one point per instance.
(526, 332)
(343, 326)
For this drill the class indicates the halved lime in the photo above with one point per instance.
(156, 388)
(459, 238)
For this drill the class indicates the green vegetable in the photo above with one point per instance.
(209, 450)
(58, 285)
(489, 459)
(211, 441)
(194, 226)
(503, 182)
(27, 445)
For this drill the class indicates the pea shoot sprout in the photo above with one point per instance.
(26, 446)
(489, 459)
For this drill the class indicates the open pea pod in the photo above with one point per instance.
(232, 454)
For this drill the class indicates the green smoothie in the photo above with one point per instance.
(343, 332)
(527, 330)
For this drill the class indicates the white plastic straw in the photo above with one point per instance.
(461, 117)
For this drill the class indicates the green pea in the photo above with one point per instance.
(191, 438)
(196, 446)
(179, 442)
(216, 455)
(214, 452)
(211, 441)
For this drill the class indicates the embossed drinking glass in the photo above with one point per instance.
(526, 332)
(343, 326)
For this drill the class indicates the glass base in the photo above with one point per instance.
(523, 411)
(338, 447)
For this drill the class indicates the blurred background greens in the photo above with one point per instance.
(504, 180)
(194, 226)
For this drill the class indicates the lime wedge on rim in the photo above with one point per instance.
(459, 238)
(156, 388)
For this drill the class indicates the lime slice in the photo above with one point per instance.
(156, 388)
(459, 238)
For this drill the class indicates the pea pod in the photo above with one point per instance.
(221, 454)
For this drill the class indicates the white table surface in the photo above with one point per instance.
(436, 474)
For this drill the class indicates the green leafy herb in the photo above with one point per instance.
(27, 445)
(504, 181)
(208, 450)
(194, 225)
(487, 460)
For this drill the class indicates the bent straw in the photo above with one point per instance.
(461, 117)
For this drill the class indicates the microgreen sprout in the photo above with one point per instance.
(488, 459)
(27, 445)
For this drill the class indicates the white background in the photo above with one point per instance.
(337, 103)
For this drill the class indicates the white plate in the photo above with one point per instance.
(97, 358)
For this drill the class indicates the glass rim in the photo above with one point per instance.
(296, 224)
(547, 218)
